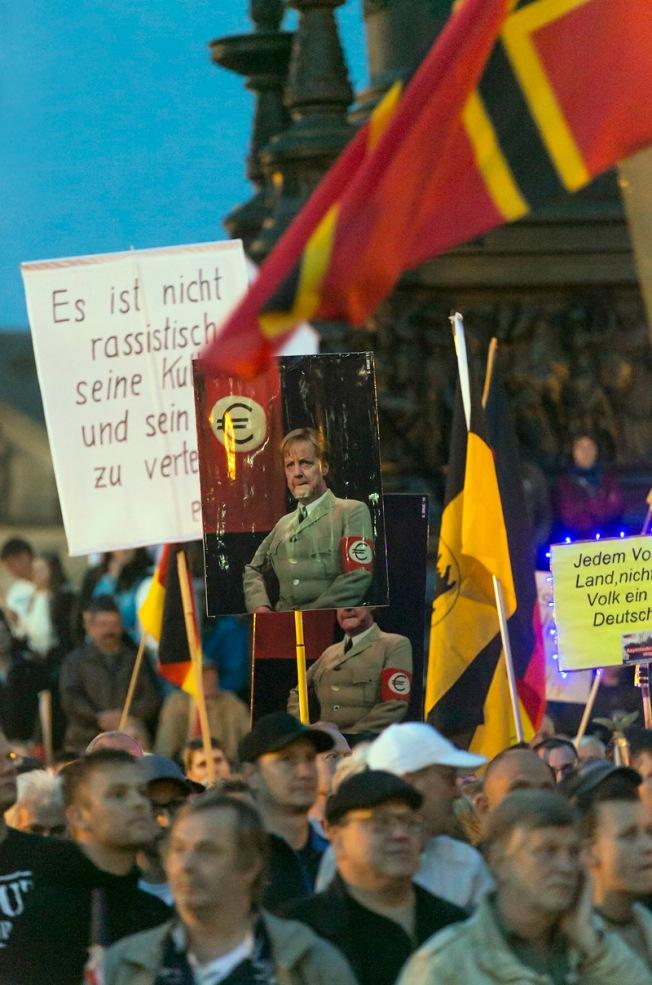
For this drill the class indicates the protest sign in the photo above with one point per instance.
(113, 336)
(298, 528)
(560, 685)
(603, 602)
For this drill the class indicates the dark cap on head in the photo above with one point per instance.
(369, 789)
(583, 786)
(276, 731)
(162, 768)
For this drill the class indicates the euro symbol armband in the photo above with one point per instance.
(357, 553)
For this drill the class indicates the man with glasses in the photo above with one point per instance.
(372, 910)
(167, 789)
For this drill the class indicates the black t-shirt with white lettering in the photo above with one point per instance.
(28, 860)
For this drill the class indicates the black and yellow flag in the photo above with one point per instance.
(467, 691)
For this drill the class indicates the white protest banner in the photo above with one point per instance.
(114, 336)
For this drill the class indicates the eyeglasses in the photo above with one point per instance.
(384, 823)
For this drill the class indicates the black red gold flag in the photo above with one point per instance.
(162, 616)
(467, 691)
(516, 102)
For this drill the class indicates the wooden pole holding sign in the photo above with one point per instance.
(590, 701)
(194, 647)
(45, 717)
(131, 690)
(302, 681)
(463, 369)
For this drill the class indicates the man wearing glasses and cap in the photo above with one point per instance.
(372, 910)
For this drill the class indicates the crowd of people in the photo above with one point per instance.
(360, 849)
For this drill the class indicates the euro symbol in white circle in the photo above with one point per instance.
(361, 552)
(242, 418)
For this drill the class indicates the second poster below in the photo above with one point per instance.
(291, 487)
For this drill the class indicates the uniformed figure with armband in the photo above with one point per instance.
(321, 554)
(363, 683)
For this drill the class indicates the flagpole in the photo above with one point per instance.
(196, 659)
(45, 716)
(302, 681)
(489, 372)
(131, 690)
(590, 701)
(509, 662)
(459, 338)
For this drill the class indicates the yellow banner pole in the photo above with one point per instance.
(302, 682)
(194, 646)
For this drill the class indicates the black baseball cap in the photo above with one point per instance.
(582, 786)
(161, 768)
(276, 731)
(370, 789)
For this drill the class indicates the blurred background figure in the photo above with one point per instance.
(39, 805)
(587, 497)
(48, 623)
(560, 755)
(119, 574)
(21, 679)
(95, 678)
(195, 766)
(16, 556)
(228, 718)
(327, 763)
(116, 740)
(590, 749)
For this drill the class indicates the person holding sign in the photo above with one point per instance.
(363, 683)
(322, 554)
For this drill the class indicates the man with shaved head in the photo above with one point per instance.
(514, 769)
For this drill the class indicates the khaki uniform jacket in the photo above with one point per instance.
(228, 722)
(305, 557)
(476, 953)
(301, 958)
(349, 686)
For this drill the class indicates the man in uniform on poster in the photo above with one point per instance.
(322, 553)
(363, 683)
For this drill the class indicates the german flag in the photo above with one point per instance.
(525, 629)
(517, 102)
(161, 615)
(467, 692)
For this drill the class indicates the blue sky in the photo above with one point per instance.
(118, 131)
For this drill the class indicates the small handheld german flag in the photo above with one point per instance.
(162, 616)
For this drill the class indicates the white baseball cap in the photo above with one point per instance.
(412, 746)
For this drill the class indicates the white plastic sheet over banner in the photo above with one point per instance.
(113, 336)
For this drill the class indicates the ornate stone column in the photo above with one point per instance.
(263, 58)
(318, 95)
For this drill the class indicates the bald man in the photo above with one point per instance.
(514, 769)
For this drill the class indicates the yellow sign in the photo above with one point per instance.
(603, 602)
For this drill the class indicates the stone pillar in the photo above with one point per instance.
(318, 95)
(263, 58)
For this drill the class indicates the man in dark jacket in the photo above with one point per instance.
(95, 678)
(372, 910)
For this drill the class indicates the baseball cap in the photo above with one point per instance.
(581, 785)
(412, 746)
(369, 789)
(276, 731)
(161, 768)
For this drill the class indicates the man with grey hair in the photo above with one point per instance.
(321, 554)
(39, 805)
(540, 925)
